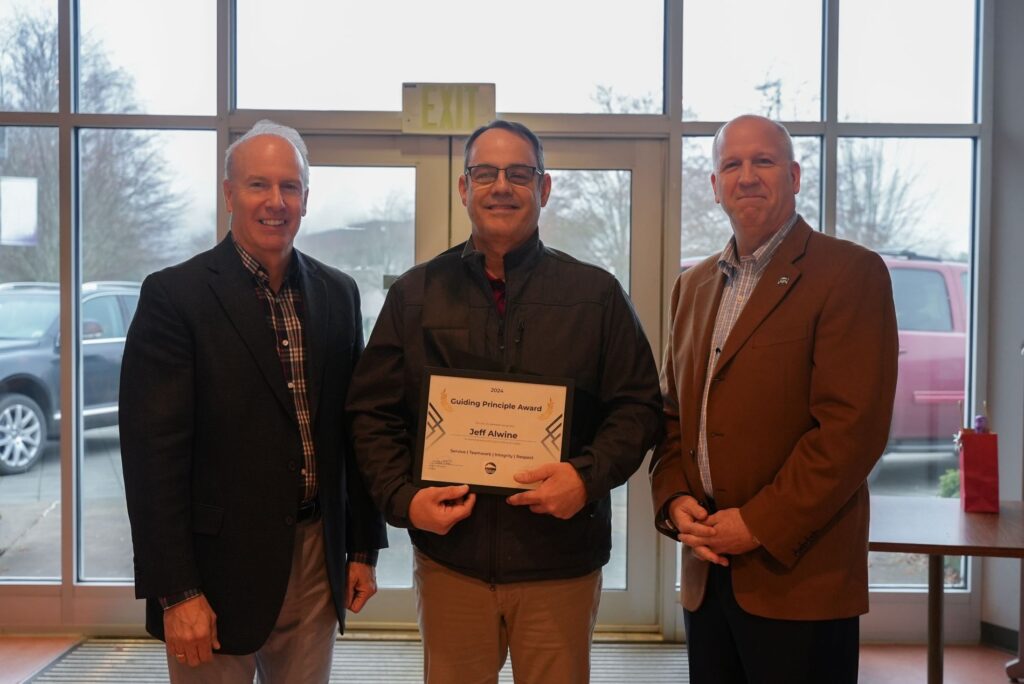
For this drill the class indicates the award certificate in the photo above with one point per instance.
(481, 428)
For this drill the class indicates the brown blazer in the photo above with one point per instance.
(798, 413)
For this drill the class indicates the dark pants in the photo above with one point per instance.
(726, 645)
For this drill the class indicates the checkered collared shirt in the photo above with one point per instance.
(741, 277)
(284, 314)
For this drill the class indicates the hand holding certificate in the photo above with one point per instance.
(481, 428)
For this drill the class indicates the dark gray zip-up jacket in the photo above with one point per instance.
(564, 319)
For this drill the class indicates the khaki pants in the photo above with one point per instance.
(301, 646)
(469, 627)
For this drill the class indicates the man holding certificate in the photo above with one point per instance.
(505, 390)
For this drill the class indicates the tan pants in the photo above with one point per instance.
(301, 646)
(469, 627)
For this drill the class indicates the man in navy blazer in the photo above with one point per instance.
(252, 530)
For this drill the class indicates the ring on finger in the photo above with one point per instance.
(179, 656)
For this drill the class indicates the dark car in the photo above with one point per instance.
(30, 363)
(931, 314)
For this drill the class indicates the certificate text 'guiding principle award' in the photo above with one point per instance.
(480, 428)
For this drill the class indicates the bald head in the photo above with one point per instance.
(770, 127)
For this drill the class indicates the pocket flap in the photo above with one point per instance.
(207, 519)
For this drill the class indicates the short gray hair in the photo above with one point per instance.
(512, 127)
(788, 140)
(268, 127)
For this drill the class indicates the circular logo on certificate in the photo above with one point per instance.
(489, 468)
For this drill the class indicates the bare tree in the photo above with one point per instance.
(128, 216)
(876, 204)
(588, 214)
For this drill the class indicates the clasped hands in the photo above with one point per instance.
(560, 493)
(712, 537)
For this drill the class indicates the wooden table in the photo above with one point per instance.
(938, 527)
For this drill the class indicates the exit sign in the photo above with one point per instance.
(446, 108)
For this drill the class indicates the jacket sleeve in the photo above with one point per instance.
(156, 429)
(852, 387)
(382, 428)
(364, 525)
(668, 478)
(630, 402)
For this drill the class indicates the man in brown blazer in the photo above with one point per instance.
(778, 384)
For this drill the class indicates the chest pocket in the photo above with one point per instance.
(776, 335)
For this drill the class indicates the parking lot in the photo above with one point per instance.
(30, 514)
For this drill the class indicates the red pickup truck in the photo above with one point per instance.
(931, 311)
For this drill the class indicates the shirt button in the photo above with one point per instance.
(303, 471)
(284, 343)
(291, 385)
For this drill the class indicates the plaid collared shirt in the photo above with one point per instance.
(284, 314)
(741, 277)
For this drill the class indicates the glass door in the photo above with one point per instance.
(380, 204)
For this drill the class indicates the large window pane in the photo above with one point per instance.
(30, 508)
(588, 217)
(28, 56)
(361, 220)
(742, 56)
(910, 199)
(705, 226)
(148, 200)
(570, 56)
(908, 61)
(134, 56)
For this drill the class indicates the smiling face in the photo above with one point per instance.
(755, 179)
(266, 197)
(503, 215)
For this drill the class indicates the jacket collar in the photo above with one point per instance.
(779, 278)
(519, 264)
(232, 284)
(521, 258)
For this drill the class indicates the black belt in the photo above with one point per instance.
(308, 510)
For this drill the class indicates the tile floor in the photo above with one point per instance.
(23, 656)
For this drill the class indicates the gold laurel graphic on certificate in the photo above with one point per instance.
(547, 410)
(445, 406)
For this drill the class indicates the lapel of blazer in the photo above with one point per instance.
(778, 279)
(232, 285)
(315, 327)
(707, 295)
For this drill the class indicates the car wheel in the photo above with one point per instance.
(22, 433)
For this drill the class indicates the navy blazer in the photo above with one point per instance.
(211, 447)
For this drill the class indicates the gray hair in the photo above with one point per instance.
(512, 127)
(787, 140)
(268, 127)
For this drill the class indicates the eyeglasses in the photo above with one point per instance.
(516, 174)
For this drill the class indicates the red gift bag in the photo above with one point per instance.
(979, 472)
